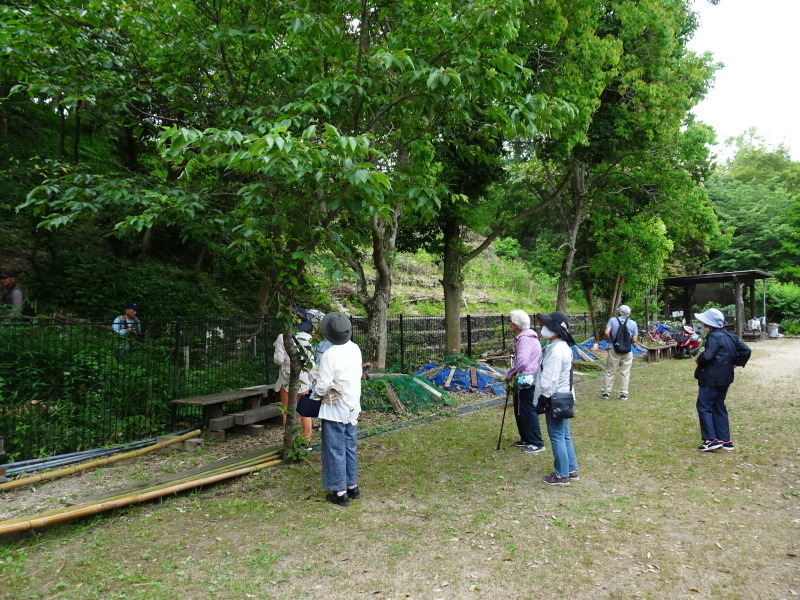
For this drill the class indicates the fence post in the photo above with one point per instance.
(266, 346)
(503, 331)
(402, 348)
(176, 370)
(469, 336)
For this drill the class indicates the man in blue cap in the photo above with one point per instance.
(714, 374)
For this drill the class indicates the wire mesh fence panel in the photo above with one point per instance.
(69, 385)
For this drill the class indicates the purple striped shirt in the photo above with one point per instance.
(527, 354)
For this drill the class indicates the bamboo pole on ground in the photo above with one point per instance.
(94, 508)
(272, 455)
(10, 485)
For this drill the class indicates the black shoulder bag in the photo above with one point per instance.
(562, 404)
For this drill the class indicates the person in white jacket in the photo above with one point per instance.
(556, 377)
(281, 357)
(337, 383)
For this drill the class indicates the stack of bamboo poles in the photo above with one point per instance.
(20, 481)
(215, 472)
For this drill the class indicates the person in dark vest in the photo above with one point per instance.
(619, 361)
(714, 373)
(128, 326)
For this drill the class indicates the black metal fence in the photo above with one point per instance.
(67, 385)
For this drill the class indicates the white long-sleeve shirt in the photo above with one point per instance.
(340, 366)
(282, 358)
(556, 367)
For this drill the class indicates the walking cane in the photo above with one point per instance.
(503, 422)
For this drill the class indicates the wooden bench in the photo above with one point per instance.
(656, 353)
(215, 420)
(751, 336)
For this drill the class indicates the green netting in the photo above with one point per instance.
(414, 397)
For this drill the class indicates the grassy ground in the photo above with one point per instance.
(444, 515)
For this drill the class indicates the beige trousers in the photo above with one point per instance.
(617, 363)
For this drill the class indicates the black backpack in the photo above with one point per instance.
(622, 339)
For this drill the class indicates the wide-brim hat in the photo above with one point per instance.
(557, 323)
(336, 328)
(7, 273)
(712, 317)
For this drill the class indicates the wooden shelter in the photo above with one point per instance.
(739, 279)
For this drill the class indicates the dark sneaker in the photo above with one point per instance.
(709, 445)
(335, 498)
(531, 449)
(623, 396)
(353, 493)
(554, 479)
(573, 476)
(519, 444)
(604, 396)
(727, 445)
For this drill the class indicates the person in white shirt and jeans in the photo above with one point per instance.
(337, 383)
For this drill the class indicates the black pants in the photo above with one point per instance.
(530, 431)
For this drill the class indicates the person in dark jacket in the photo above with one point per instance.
(714, 373)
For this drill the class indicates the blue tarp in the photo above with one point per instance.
(604, 346)
(461, 380)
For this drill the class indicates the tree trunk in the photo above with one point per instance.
(589, 296)
(578, 216)
(453, 285)
(198, 263)
(376, 304)
(289, 433)
(262, 299)
(147, 241)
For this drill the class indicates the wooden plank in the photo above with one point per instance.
(221, 423)
(220, 398)
(582, 352)
(494, 373)
(175, 476)
(256, 414)
(449, 379)
(473, 377)
(433, 391)
(394, 400)
(432, 371)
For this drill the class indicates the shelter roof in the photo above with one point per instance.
(746, 276)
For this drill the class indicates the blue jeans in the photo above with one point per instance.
(528, 426)
(339, 460)
(713, 413)
(564, 459)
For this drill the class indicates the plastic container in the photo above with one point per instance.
(772, 330)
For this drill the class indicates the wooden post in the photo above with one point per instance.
(738, 288)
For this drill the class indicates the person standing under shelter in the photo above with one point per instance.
(281, 357)
(523, 374)
(621, 333)
(714, 373)
(337, 383)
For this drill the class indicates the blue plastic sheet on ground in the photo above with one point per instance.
(461, 380)
(604, 346)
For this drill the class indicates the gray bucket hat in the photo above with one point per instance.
(711, 317)
(624, 310)
(336, 328)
